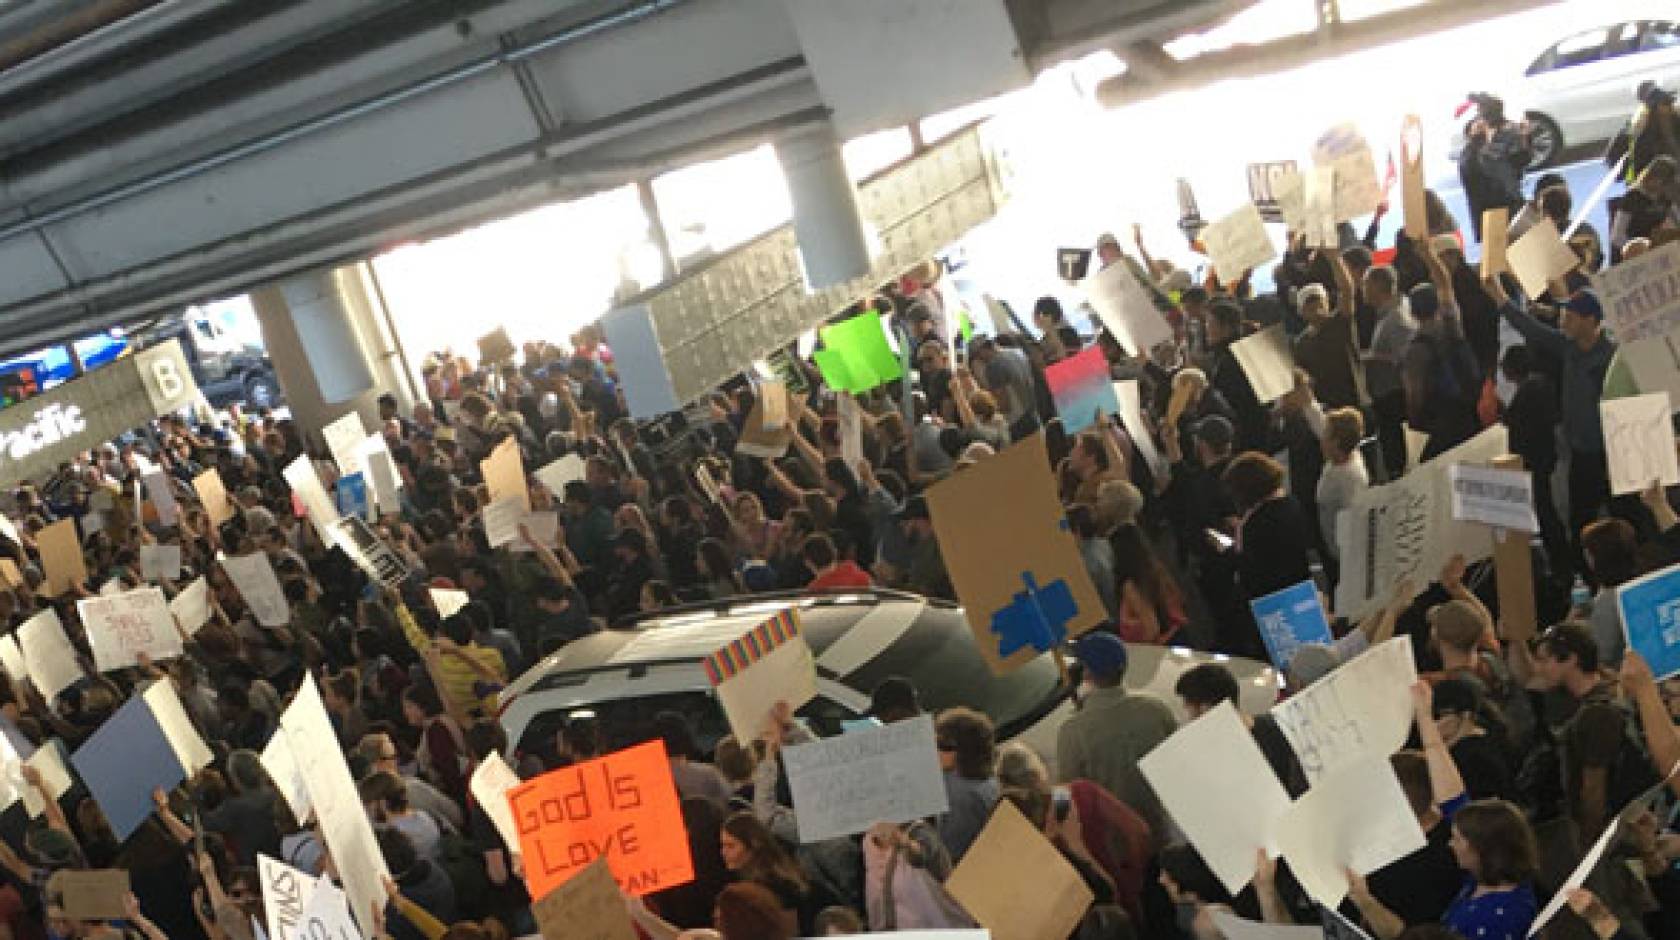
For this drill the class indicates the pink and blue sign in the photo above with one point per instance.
(1082, 388)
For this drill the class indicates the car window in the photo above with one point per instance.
(629, 721)
(1580, 48)
(1660, 34)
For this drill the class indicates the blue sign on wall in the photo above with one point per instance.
(1290, 618)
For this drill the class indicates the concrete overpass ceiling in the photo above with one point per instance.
(161, 153)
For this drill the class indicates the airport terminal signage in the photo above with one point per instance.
(39, 434)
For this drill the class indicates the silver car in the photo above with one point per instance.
(627, 676)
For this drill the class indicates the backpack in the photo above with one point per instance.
(1454, 384)
(903, 886)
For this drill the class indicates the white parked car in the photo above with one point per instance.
(1581, 89)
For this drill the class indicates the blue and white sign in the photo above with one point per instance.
(1650, 609)
(1289, 618)
(351, 496)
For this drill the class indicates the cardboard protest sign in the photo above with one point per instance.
(52, 761)
(495, 346)
(122, 626)
(639, 360)
(622, 806)
(1404, 531)
(856, 356)
(98, 894)
(1216, 784)
(1412, 202)
(556, 474)
(774, 397)
(1015, 566)
(61, 557)
(160, 492)
(1082, 389)
(504, 473)
(1344, 149)
(1238, 243)
(1641, 296)
(1493, 496)
(988, 882)
(306, 487)
(10, 575)
(1363, 709)
(768, 664)
(588, 907)
(1540, 257)
(53, 666)
(1496, 230)
(124, 761)
(490, 783)
(213, 494)
(160, 562)
(191, 607)
(338, 807)
(1650, 614)
(1072, 263)
(287, 776)
(1268, 362)
(377, 559)
(1639, 442)
(843, 785)
(1354, 818)
(757, 440)
(1289, 619)
(344, 438)
(253, 576)
(285, 894)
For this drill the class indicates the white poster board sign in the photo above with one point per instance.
(1345, 150)
(285, 894)
(306, 486)
(1641, 296)
(1539, 257)
(171, 716)
(122, 626)
(254, 578)
(1131, 415)
(344, 439)
(1355, 818)
(1238, 242)
(160, 562)
(1639, 442)
(1362, 709)
(1126, 309)
(556, 474)
(1501, 498)
(1216, 784)
(490, 783)
(288, 778)
(191, 607)
(52, 662)
(1268, 362)
(844, 785)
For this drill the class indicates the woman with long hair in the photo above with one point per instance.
(1151, 604)
(754, 855)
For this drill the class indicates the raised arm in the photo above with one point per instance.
(1533, 331)
(1662, 739)
(550, 562)
(1445, 783)
(1345, 291)
(1437, 274)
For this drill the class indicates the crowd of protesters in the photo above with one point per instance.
(1523, 752)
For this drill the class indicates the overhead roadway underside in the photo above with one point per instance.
(154, 154)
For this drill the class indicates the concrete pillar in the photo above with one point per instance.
(832, 244)
(330, 342)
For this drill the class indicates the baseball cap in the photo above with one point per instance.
(1101, 653)
(1585, 302)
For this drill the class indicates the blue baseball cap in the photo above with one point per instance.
(1585, 303)
(1101, 653)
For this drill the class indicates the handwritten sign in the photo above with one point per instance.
(1289, 619)
(557, 474)
(1238, 243)
(989, 884)
(1641, 296)
(1216, 784)
(288, 779)
(1650, 608)
(327, 915)
(122, 626)
(1492, 496)
(1355, 818)
(1363, 709)
(1639, 442)
(254, 577)
(191, 607)
(51, 761)
(285, 894)
(622, 806)
(588, 907)
(504, 474)
(843, 785)
(1357, 192)
(344, 441)
(1318, 207)
(1125, 308)
(768, 664)
(51, 659)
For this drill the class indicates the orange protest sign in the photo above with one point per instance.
(623, 806)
